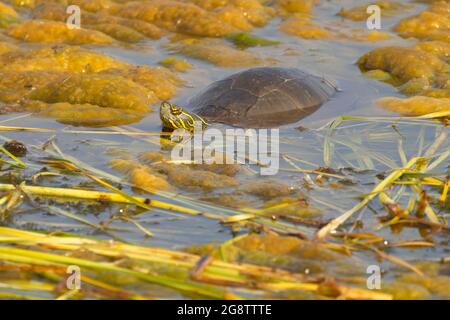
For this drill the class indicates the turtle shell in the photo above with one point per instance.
(262, 97)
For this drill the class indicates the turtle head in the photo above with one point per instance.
(171, 108)
(174, 117)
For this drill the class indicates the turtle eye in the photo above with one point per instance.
(165, 105)
(175, 110)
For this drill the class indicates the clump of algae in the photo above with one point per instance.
(415, 106)
(183, 176)
(433, 23)
(200, 17)
(290, 253)
(293, 206)
(15, 85)
(70, 59)
(433, 284)
(254, 11)
(159, 81)
(118, 32)
(176, 16)
(217, 52)
(81, 87)
(56, 32)
(106, 91)
(153, 167)
(83, 114)
(141, 176)
(175, 64)
(422, 67)
(116, 27)
(7, 47)
(295, 6)
(268, 189)
(359, 12)
(6, 9)
(245, 40)
(303, 27)
(6, 20)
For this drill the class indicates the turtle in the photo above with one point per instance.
(262, 97)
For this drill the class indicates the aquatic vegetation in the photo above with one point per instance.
(106, 22)
(6, 20)
(268, 189)
(70, 59)
(359, 12)
(154, 173)
(438, 48)
(7, 47)
(407, 64)
(175, 64)
(431, 23)
(56, 32)
(290, 208)
(83, 114)
(245, 40)
(415, 106)
(295, 6)
(183, 176)
(304, 28)
(217, 52)
(118, 32)
(108, 91)
(160, 82)
(150, 266)
(176, 16)
(370, 36)
(6, 9)
(16, 85)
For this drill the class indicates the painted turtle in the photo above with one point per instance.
(255, 98)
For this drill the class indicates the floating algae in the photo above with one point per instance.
(90, 100)
(293, 206)
(177, 17)
(106, 91)
(289, 253)
(161, 82)
(303, 27)
(15, 85)
(415, 106)
(83, 114)
(102, 21)
(268, 189)
(295, 6)
(217, 52)
(433, 23)
(56, 32)
(175, 64)
(254, 11)
(359, 12)
(141, 176)
(70, 59)
(4, 8)
(118, 32)
(184, 176)
(6, 20)
(244, 40)
(7, 47)
(157, 171)
(408, 64)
